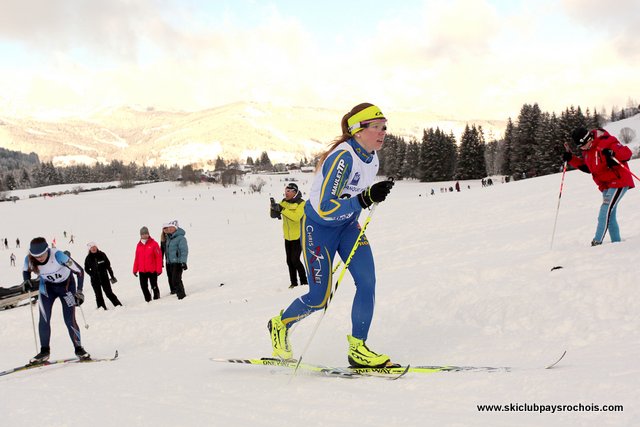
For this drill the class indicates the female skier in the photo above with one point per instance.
(56, 270)
(342, 188)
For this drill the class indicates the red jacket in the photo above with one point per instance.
(148, 257)
(604, 176)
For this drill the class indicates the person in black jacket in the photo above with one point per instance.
(98, 267)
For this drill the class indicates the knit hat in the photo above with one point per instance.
(292, 186)
(357, 121)
(581, 136)
(38, 247)
(144, 230)
(91, 244)
(173, 223)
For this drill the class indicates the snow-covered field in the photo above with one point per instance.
(463, 278)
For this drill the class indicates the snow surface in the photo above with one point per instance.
(463, 278)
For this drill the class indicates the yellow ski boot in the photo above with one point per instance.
(360, 356)
(279, 338)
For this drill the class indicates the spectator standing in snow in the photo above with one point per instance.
(56, 271)
(98, 267)
(291, 211)
(600, 150)
(12, 259)
(147, 264)
(176, 254)
(342, 188)
(17, 242)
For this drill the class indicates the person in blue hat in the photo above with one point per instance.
(56, 271)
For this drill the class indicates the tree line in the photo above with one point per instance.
(532, 145)
(40, 174)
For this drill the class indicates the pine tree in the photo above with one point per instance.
(506, 168)
(523, 147)
(471, 161)
(220, 165)
(410, 166)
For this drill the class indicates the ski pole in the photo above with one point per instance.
(626, 168)
(351, 254)
(86, 325)
(555, 222)
(33, 323)
(335, 287)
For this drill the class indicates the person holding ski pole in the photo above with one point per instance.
(292, 209)
(605, 158)
(343, 186)
(56, 270)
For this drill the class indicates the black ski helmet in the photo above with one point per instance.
(581, 136)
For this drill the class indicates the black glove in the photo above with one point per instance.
(113, 280)
(275, 209)
(184, 266)
(135, 274)
(609, 154)
(79, 298)
(567, 156)
(375, 194)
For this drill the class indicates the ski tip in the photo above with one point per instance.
(557, 361)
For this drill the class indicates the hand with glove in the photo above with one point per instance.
(113, 280)
(184, 266)
(567, 156)
(135, 274)
(275, 209)
(609, 155)
(79, 297)
(375, 194)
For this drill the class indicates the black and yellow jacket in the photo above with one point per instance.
(292, 213)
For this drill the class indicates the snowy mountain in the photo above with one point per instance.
(462, 278)
(234, 131)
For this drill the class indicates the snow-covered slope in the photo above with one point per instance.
(234, 131)
(463, 278)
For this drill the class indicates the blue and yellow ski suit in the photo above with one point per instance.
(331, 225)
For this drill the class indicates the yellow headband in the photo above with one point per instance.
(357, 121)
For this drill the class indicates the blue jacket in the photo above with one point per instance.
(177, 248)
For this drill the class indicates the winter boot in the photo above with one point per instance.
(82, 353)
(361, 356)
(279, 338)
(41, 357)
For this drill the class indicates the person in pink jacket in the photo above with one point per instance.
(148, 264)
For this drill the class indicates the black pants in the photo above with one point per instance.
(174, 273)
(293, 249)
(145, 279)
(99, 286)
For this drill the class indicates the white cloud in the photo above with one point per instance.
(465, 58)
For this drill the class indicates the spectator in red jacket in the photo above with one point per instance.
(606, 160)
(148, 264)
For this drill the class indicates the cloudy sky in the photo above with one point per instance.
(459, 58)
